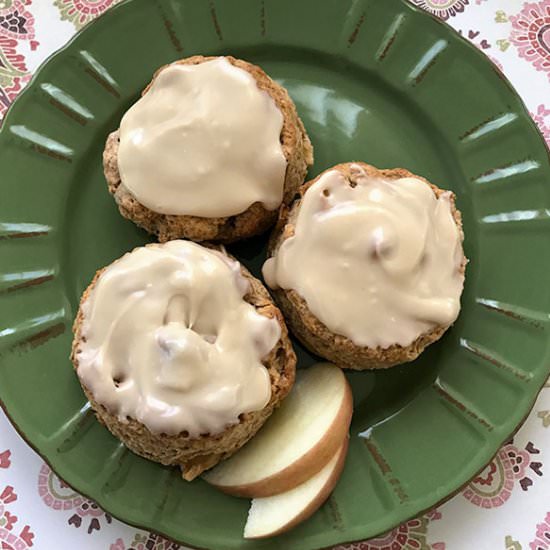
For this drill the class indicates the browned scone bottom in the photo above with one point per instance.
(194, 455)
(315, 335)
(256, 219)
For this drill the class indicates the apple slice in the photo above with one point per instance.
(296, 442)
(274, 515)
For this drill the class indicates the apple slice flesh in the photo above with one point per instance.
(296, 442)
(274, 515)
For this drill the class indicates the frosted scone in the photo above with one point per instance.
(210, 152)
(367, 265)
(181, 353)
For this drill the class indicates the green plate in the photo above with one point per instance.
(373, 80)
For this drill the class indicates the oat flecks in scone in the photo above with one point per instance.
(195, 455)
(311, 331)
(256, 219)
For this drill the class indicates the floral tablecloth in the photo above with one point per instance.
(507, 507)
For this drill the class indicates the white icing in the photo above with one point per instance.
(378, 263)
(203, 141)
(169, 322)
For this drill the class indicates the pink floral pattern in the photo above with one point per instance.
(542, 538)
(14, 74)
(9, 537)
(5, 461)
(147, 541)
(16, 25)
(531, 34)
(476, 38)
(443, 8)
(542, 118)
(80, 12)
(411, 535)
(58, 495)
(511, 466)
(16, 21)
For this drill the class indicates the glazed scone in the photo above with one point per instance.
(181, 353)
(367, 265)
(209, 153)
